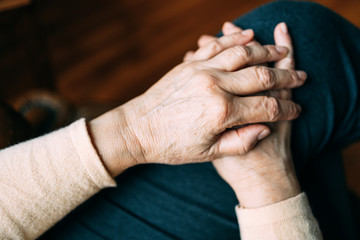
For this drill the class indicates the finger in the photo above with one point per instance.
(240, 141)
(218, 45)
(279, 94)
(205, 39)
(253, 43)
(283, 38)
(239, 56)
(256, 79)
(230, 28)
(188, 56)
(260, 109)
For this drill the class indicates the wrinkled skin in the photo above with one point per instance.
(266, 174)
(188, 115)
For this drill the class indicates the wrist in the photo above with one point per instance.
(111, 139)
(267, 190)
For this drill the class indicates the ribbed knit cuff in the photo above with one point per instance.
(89, 157)
(275, 213)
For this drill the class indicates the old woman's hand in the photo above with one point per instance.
(188, 116)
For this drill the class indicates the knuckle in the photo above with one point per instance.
(222, 109)
(295, 112)
(205, 39)
(243, 52)
(214, 46)
(294, 77)
(273, 108)
(201, 39)
(265, 77)
(208, 80)
(267, 53)
(188, 69)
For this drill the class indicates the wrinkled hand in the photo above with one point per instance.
(186, 116)
(265, 175)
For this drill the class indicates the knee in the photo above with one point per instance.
(308, 14)
(286, 7)
(305, 20)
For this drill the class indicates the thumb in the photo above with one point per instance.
(242, 140)
(283, 38)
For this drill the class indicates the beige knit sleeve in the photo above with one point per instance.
(43, 179)
(289, 219)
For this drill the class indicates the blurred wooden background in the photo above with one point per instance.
(100, 51)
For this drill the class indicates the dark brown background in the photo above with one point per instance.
(98, 51)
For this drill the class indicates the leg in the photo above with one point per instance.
(323, 181)
(191, 201)
(328, 49)
(157, 202)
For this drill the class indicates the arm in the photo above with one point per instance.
(42, 180)
(264, 180)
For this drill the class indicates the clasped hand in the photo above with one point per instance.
(189, 115)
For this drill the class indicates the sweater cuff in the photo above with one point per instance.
(89, 156)
(274, 213)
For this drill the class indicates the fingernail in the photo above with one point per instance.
(298, 107)
(263, 134)
(284, 28)
(281, 50)
(247, 32)
(302, 75)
